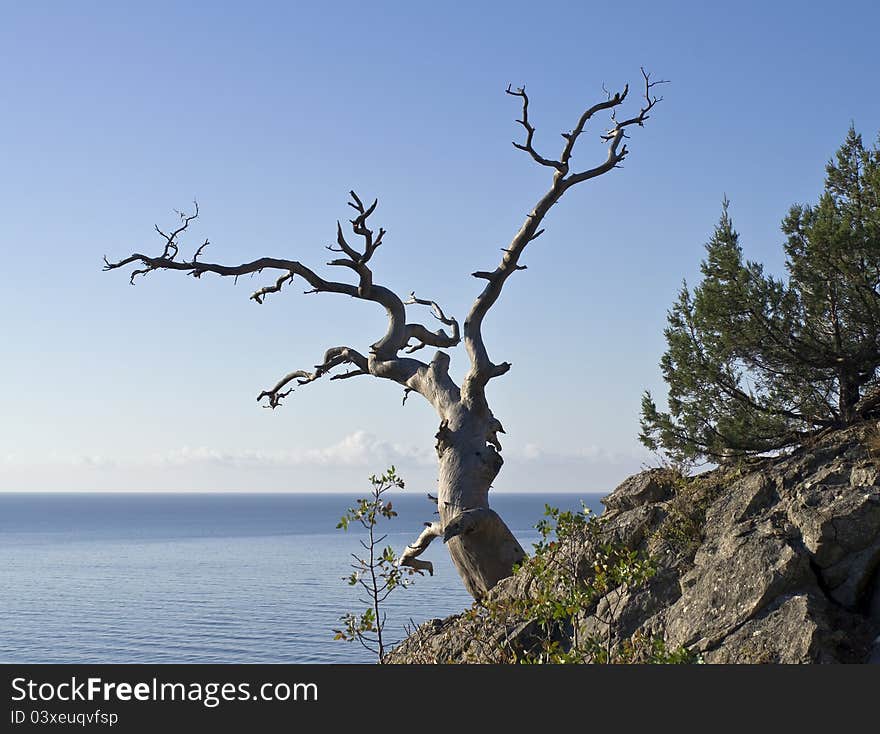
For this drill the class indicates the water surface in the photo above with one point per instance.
(206, 578)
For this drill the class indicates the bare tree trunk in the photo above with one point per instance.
(482, 547)
(848, 397)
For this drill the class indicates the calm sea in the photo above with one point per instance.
(207, 578)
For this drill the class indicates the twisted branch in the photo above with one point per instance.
(425, 336)
(482, 367)
(410, 556)
(333, 357)
(383, 359)
(530, 131)
(353, 259)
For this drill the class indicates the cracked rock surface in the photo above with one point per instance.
(776, 561)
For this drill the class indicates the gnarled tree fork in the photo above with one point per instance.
(482, 547)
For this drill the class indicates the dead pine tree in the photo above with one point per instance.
(481, 545)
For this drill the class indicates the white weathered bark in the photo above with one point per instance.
(482, 547)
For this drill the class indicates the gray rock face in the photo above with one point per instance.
(641, 489)
(765, 568)
(790, 631)
(777, 562)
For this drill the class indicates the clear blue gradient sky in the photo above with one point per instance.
(269, 113)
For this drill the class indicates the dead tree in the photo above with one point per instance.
(482, 547)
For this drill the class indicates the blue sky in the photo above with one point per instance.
(269, 113)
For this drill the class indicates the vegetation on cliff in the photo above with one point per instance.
(772, 560)
(773, 556)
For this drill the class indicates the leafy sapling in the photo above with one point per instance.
(375, 570)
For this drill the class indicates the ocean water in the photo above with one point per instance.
(208, 578)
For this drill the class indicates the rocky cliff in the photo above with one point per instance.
(774, 561)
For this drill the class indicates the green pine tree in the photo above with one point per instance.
(756, 363)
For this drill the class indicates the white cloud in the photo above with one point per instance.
(534, 453)
(335, 467)
(357, 449)
(360, 448)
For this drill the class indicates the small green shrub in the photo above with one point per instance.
(871, 442)
(375, 572)
(573, 569)
(683, 527)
